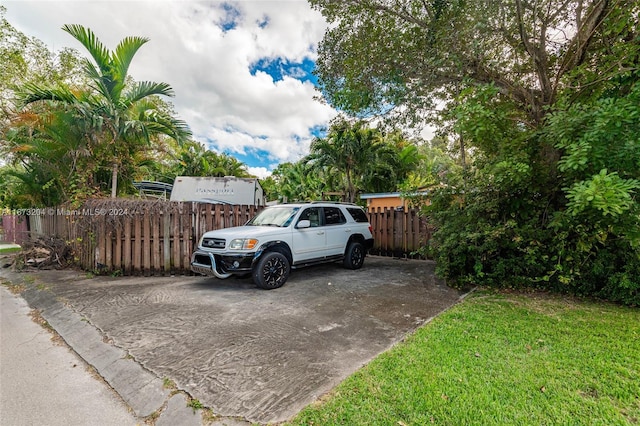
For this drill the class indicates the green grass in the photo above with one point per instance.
(498, 359)
(9, 250)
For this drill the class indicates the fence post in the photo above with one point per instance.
(127, 245)
(397, 233)
(117, 262)
(156, 223)
(146, 243)
(99, 254)
(186, 224)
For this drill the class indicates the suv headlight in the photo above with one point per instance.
(243, 244)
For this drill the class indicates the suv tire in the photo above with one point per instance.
(271, 271)
(354, 255)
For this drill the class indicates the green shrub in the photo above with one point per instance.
(556, 209)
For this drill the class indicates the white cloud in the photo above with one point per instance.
(227, 107)
(260, 172)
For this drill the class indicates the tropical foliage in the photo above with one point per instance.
(27, 60)
(121, 115)
(191, 158)
(364, 156)
(350, 159)
(299, 182)
(540, 100)
(74, 128)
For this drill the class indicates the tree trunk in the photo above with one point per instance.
(463, 154)
(114, 181)
(350, 187)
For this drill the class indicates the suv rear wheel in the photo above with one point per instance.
(271, 271)
(354, 256)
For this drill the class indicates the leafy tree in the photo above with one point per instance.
(27, 60)
(435, 168)
(193, 159)
(123, 113)
(412, 53)
(227, 165)
(269, 186)
(404, 59)
(543, 96)
(351, 159)
(297, 182)
(600, 175)
(344, 149)
(23, 181)
(49, 156)
(61, 146)
(393, 158)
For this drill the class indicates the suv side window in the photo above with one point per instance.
(357, 214)
(312, 214)
(333, 216)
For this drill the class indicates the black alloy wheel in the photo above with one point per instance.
(272, 271)
(354, 256)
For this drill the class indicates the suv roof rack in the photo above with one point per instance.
(334, 202)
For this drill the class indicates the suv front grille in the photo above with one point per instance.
(215, 243)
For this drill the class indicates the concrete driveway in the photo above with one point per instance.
(255, 354)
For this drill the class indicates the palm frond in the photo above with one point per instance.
(124, 53)
(102, 83)
(30, 93)
(88, 39)
(143, 89)
(158, 121)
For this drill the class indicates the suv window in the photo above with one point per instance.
(312, 214)
(357, 214)
(333, 216)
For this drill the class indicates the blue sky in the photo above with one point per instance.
(241, 71)
(280, 67)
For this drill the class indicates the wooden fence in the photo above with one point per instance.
(158, 237)
(13, 229)
(398, 233)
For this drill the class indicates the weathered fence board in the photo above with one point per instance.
(14, 229)
(132, 237)
(398, 233)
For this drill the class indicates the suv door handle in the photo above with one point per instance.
(347, 230)
(320, 232)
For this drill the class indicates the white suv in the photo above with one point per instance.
(283, 237)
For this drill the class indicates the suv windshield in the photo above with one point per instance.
(274, 216)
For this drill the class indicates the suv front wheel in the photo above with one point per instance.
(354, 256)
(271, 271)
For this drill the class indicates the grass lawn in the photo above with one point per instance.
(498, 359)
(9, 250)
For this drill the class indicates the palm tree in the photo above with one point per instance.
(297, 182)
(341, 150)
(193, 159)
(368, 159)
(360, 154)
(393, 158)
(48, 155)
(122, 113)
(226, 165)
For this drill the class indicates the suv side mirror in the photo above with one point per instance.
(303, 224)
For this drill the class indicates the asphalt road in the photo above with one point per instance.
(241, 351)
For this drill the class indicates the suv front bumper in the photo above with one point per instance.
(221, 265)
